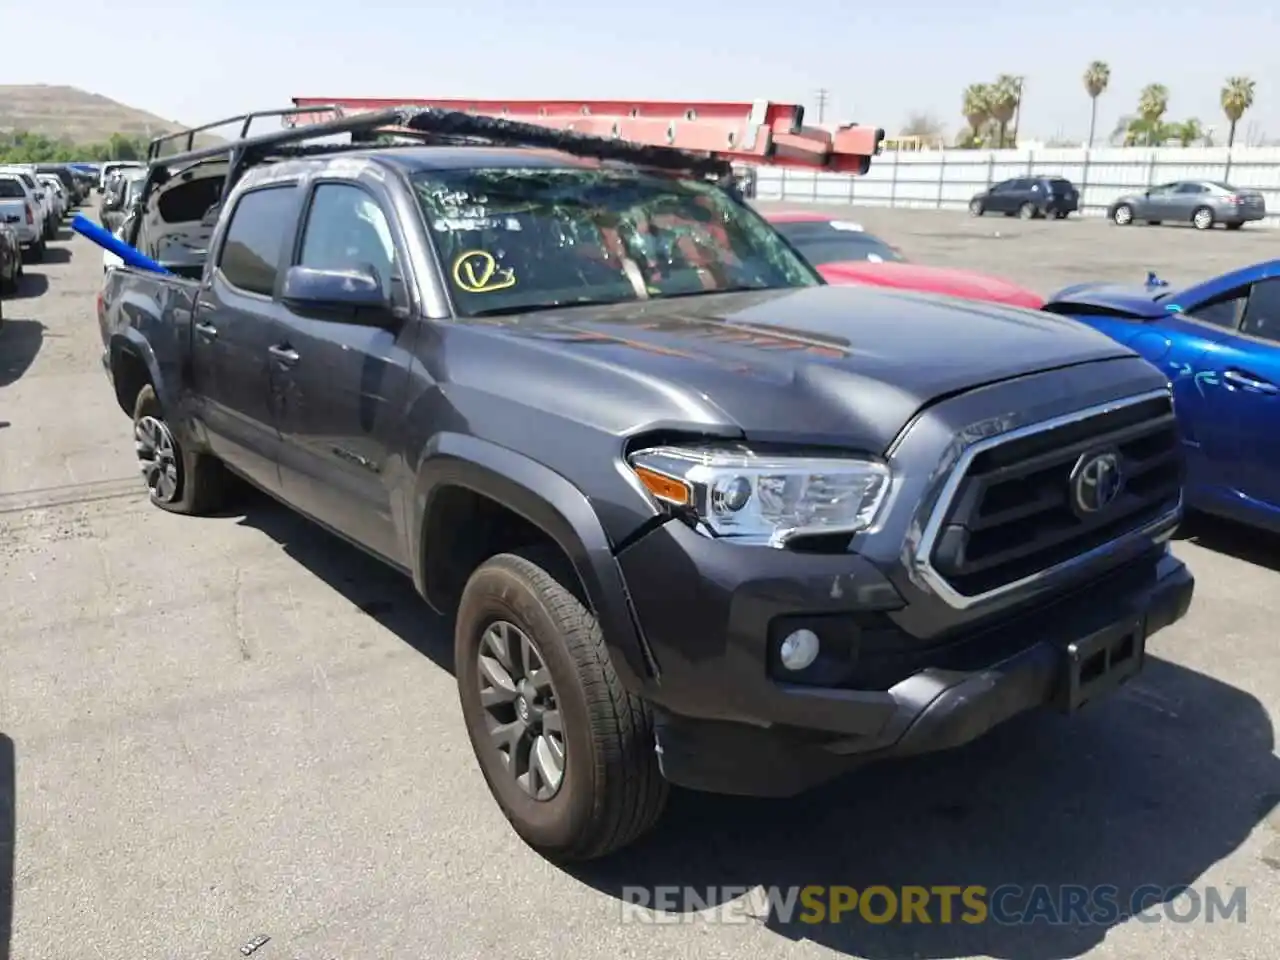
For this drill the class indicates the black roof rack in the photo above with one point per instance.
(419, 124)
(245, 120)
(432, 125)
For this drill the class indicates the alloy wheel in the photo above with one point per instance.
(157, 458)
(522, 712)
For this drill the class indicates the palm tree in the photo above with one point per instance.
(1237, 97)
(1096, 80)
(1188, 131)
(977, 108)
(1153, 101)
(1005, 94)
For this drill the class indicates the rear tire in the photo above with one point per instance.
(178, 480)
(37, 252)
(1234, 226)
(976, 209)
(607, 790)
(1122, 215)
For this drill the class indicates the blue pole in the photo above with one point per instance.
(103, 238)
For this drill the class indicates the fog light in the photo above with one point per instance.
(799, 649)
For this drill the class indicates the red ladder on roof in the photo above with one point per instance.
(759, 132)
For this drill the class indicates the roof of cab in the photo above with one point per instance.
(412, 159)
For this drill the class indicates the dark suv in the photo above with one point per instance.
(1028, 197)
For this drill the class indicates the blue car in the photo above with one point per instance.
(1219, 342)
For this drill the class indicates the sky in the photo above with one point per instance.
(879, 62)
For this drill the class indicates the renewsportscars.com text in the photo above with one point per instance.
(1056, 905)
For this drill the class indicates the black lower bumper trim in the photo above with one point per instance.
(934, 709)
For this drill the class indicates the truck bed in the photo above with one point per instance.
(151, 314)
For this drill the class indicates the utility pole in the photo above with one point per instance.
(822, 103)
(1017, 113)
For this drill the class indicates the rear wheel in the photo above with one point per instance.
(1202, 219)
(976, 209)
(37, 251)
(1234, 226)
(178, 480)
(566, 751)
(1122, 215)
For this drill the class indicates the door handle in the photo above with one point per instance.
(285, 354)
(207, 330)
(1244, 381)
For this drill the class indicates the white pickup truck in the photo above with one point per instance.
(21, 210)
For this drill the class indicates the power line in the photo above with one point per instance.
(823, 96)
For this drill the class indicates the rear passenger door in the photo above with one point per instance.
(341, 393)
(236, 321)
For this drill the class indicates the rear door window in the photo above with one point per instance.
(250, 255)
(11, 189)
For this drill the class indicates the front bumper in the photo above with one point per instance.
(725, 724)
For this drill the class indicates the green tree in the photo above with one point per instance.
(1153, 101)
(1096, 80)
(1237, 97)
(1006, 93)
(1188, 132)
(977, 110)
(24, 147)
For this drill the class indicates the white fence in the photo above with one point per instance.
(948, 179)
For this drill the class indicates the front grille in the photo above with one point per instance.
(1012, 516)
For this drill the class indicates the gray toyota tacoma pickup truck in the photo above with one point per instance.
(700, 519)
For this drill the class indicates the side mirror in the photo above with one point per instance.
(356, 289)
(39, 194)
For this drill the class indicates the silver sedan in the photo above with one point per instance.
(1202, 203)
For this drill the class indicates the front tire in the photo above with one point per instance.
(1027, 211)
(178, 480)
(566, 751)
(1202, 219)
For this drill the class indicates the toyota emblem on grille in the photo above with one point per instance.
(1095, 482)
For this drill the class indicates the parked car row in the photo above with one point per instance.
(1202, 203)
(34, 201)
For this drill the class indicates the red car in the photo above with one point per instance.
(845, 253)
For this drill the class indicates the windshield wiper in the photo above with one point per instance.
(519, 308)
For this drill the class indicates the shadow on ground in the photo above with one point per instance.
(20, 342)
(380, 592)
(32, 284)
(8, 820)
(56, 255)
(1141, 794)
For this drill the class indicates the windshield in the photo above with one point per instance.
(828, 241)
(514, 239)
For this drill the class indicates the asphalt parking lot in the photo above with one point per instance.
(215, 729)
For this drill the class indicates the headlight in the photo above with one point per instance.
(765, 498)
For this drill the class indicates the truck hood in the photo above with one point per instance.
(827, 364)
(1134, 300)
(945, 280)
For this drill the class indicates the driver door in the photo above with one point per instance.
(1245, 407)
(341, 384)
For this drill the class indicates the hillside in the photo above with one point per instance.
(72, 114)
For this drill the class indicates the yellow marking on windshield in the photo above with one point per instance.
(476, 271)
